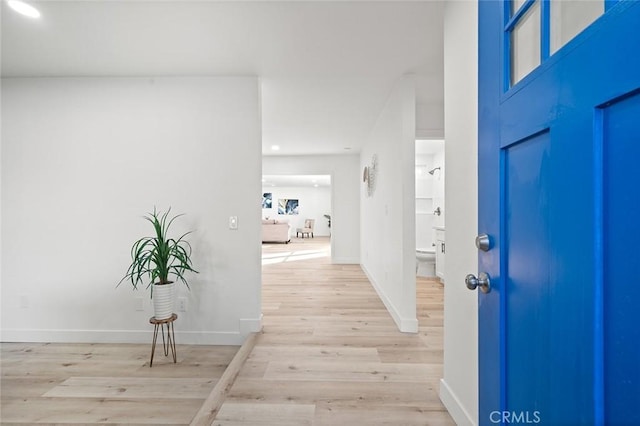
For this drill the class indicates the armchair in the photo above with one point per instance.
(308, 228)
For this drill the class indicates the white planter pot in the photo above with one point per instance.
(163, 296)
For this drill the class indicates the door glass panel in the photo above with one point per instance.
(569, 17)
(525, 44)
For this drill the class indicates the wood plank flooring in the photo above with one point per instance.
(106, 383)
(330, 354)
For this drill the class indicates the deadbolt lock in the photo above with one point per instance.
(483, 242)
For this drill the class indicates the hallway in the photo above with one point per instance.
(330, 354)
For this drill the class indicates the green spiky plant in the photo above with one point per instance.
(159, 257)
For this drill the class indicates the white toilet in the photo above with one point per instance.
(426, 262)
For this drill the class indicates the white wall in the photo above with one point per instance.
(429, 195)
(345, 186)
(1, 210)
(388, 216)
(439, 183)
(313, 203)
(459, 387)
(424, 202)
(429, 119)
(83, 159)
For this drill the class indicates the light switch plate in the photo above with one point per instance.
(182, 304)
(233, 222)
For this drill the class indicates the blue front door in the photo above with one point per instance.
(559, 191)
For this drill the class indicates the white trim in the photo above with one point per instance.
(409, 325)
(250, 325)
(453, 405)
(405, 325)
(120, 336)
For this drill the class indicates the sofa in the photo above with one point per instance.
(274, 231)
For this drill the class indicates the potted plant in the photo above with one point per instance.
(158, 258)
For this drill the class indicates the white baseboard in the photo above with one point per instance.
(246, 326)
(409, 325)
(250, 325)
(119, 336)
(453, 405)
(406, 325)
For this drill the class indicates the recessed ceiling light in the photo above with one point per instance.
(24, 8)
(264, 180)
(315, 185)
(275, 147)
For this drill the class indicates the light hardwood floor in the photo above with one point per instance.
(106, 383)
(329, 354)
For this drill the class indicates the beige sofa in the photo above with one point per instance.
(274, 231)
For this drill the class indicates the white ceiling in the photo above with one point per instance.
(326, 68)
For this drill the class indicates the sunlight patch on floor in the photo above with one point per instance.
(276, 255)
(293, 256)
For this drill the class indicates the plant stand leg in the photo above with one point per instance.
(164, 345)
(171, 337)
(153, 345)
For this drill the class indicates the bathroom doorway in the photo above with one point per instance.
(430, 206)
(429, 219)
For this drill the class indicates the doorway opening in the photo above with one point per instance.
(301, 206)
(429, 216)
